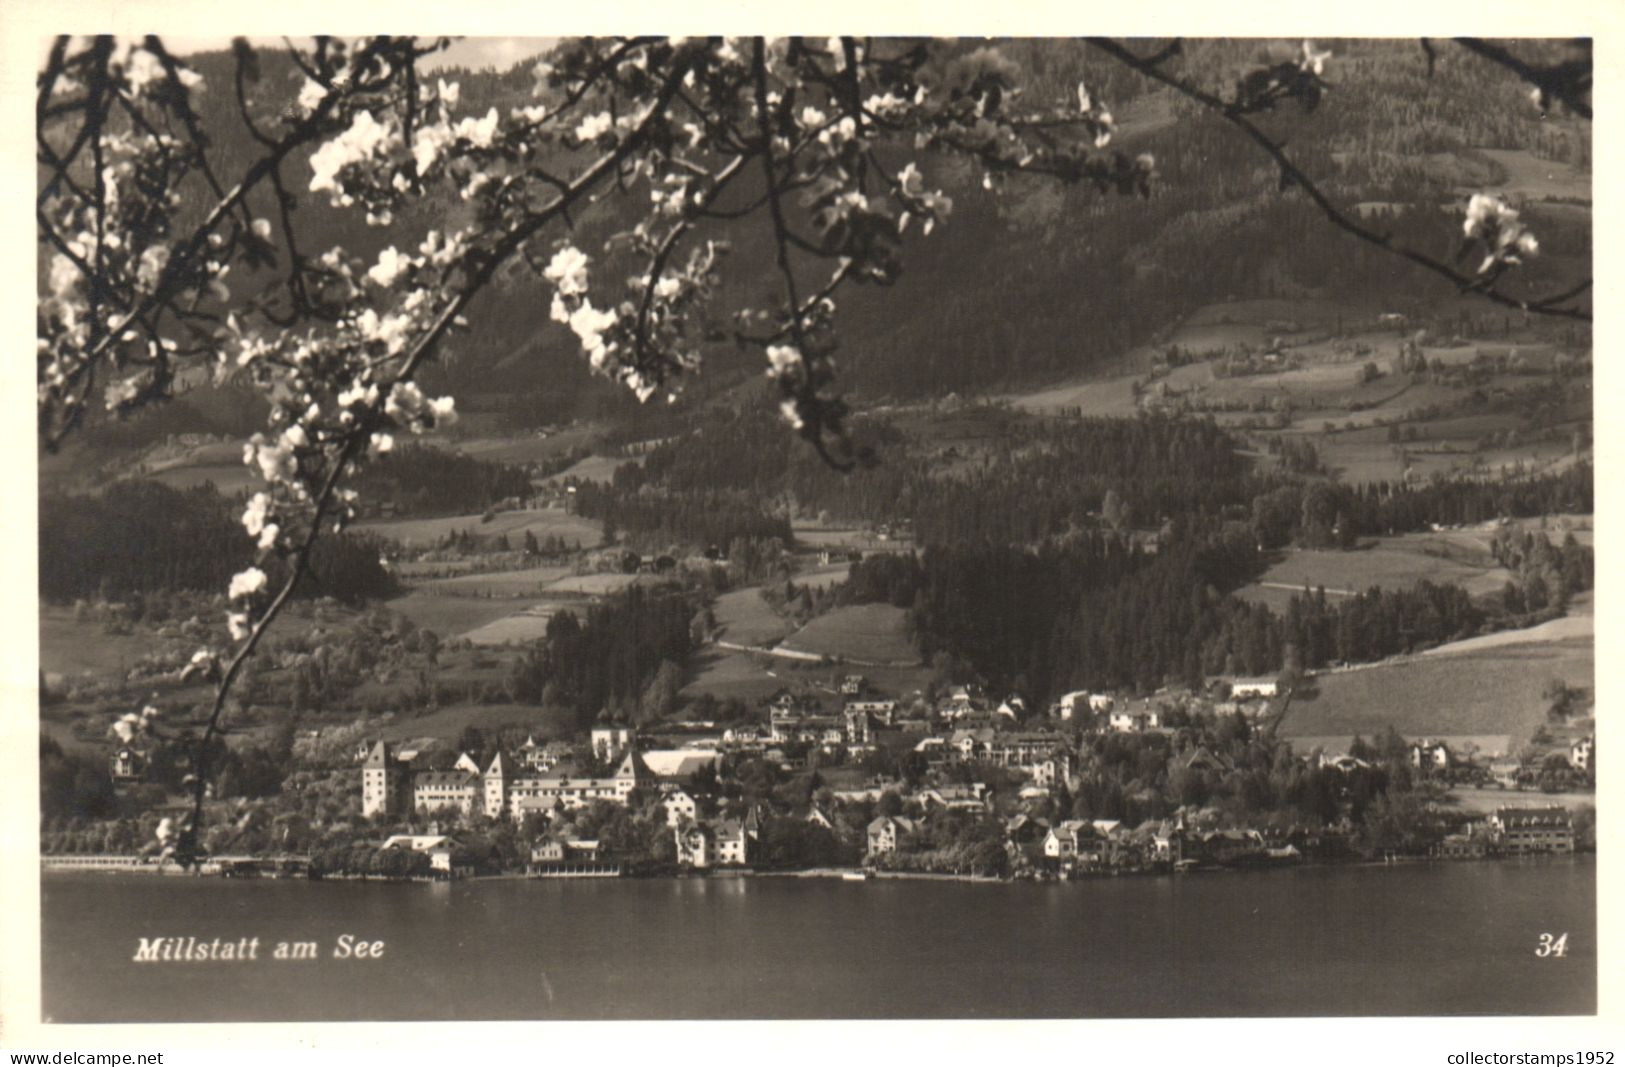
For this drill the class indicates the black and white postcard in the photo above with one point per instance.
(1036, 527)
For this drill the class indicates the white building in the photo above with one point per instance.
(680, 808)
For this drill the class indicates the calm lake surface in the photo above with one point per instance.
(1427, 939)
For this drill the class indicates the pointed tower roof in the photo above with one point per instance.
(497, 769)
(633, 767)
(378, 758)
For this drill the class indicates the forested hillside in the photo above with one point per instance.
(1040, 280)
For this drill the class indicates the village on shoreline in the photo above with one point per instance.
(867, 785)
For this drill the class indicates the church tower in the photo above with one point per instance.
(496, 795)
(380, 782)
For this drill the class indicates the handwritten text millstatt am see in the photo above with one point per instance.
(247, 950)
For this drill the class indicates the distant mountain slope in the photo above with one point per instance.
(1043, 282)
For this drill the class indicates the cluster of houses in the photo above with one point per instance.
(540, 779)
(962, 726)
(1435, 756)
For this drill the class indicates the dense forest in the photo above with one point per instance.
(143, 537)
(422, 480)
(1099, 613)
(621, 658)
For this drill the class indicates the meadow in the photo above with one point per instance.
(1391, 563)
(747, 619)
(451, 721)
(529, 581)
(868, 633)
(1492, 692)
(541, 522)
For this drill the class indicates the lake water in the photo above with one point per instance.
(1426, 939)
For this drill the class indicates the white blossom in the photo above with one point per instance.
(427, 144)
(1312, 60)
(444, 410)
(65, 276)
(479, 132)
(783, 360)
(254, 515)
(405, 401)
(389, 266)
(142, 68)
(836, 52)
(357, 144)
(311, 95)
(594, 126)
(237, 623)
(246, 583)
(568, 271)
(589, 324)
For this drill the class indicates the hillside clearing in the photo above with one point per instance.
(450, 722)
(1395, 563)
(529, 581)
(542, 523)
(864, 633)
(747, 619)
(1463, 693)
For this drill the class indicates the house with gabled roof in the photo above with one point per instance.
(696, 845)
(1580, 753)
(1205, 760)
(957, 797)
(886, 833)
(732, 843)
(1068, 839)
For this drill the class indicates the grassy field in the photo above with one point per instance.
(601, 584)
(452, 616)
(823, 577)
(229, 480)
(515, 448)
(597, 468)
(1492, 692)
(875, 633)
(1395, 563)
(747, 619)
(1529, 175)
(499, 583)
(754, 678)
(1109, 396)
(73, 648)
(1484, 801)
(724, 673)
(520, 628)
(815, 536)
(544, 522)
(449, 722)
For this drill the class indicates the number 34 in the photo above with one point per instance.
(1550, 946)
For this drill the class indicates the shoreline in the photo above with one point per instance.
(848, 874)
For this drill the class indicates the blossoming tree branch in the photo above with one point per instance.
(826, 143)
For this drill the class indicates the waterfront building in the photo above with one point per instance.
(1523, 830)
